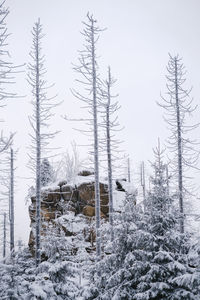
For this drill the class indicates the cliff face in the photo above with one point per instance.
(65, 205)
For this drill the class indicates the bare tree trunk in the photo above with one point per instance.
(129, 172)
(96, 146)
(178, 105)
(38, 154)
(88, 69)
(109, 158)
(179, 146)
(12, 242)
(39, 121)
(167, 178)
(4, 236)
(142, 177)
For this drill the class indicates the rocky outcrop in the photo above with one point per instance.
(64, 198)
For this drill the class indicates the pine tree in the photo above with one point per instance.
(150, 256)
(46, 172)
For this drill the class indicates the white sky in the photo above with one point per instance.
(139, 35)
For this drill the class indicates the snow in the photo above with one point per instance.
(73, 223)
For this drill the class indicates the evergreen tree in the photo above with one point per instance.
(46, 172)
(150, 255)
(53, 279)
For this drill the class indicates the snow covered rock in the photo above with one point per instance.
(63, 201)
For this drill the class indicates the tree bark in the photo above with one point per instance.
(12, 242)
(38, 156)
(4, 236)
(179, 146)
(96, 147)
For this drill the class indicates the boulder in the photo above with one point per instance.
(89, 211)
(86, 173)
(87, 195)
(61, 183)
(51, 196)
(47, 214)
(67, 192)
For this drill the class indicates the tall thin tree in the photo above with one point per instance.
(178, 105)
(143, 183)
(11, 208)
(110, 124)
(88, 70)
(129, 170)
(39, 121)
(4, 235)
(7, 70)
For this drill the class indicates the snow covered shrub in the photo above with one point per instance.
(60, 269)
(60, 278)
(54, 279)
(55, 245)
(16, 276)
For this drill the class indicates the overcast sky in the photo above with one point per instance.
(139, 35)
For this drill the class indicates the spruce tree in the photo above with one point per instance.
(46, 172)
(150, 255)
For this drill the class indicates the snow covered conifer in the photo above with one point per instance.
(150, 257)
(46, 172)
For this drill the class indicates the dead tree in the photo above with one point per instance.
(4, 235)
(88, 71)
(39, 121)
(110, 125)
(178, 105)
(129, 170)
(7, 71)
(11, 203)
(143, 183)
(7, 191)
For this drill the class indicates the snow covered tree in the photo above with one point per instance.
(39, 121)
(149, 261)
(88, 71)
(4, 235)
(60, 267)
(68, 166)
(178, 105)
(128, 170)
(53, 279)
(7, 71)
(11, 203)
(109, 142)
(143, 183)
(46, 172)
(17, 275)
(7, 182)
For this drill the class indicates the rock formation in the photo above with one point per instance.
(62, 199)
